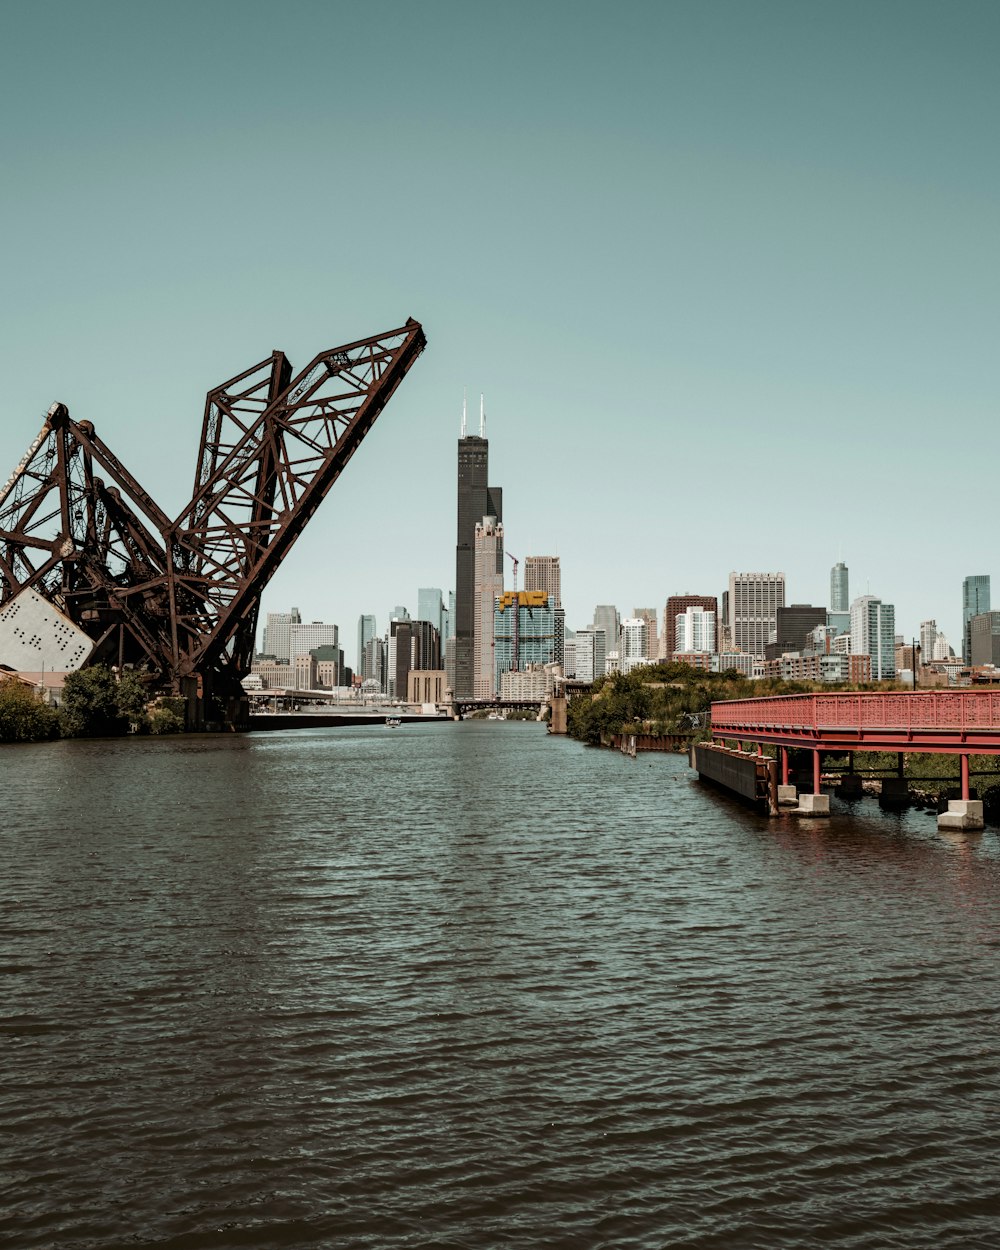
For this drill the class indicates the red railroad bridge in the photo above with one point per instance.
(939, 722)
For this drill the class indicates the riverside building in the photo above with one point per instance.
(524, 632)
(487, 586)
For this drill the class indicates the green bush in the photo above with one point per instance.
(23, 715)
(96, 704)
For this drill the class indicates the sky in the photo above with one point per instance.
(728, 275)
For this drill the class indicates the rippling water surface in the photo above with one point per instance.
(470, 986)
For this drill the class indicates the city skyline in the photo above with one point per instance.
(783, 289)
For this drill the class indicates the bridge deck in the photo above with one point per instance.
(940, 721)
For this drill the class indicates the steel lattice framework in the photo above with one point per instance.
(180, 598)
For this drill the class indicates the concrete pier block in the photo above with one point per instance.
(788, 796)
(895, 792)
(962, 814)
(851, 786)
(814, 805)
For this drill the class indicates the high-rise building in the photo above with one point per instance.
(633, 644)
(694, 630)
(430, 606)
(591, 650)
(840, 600)
(278, 634)
(975, 601)
(366, 631)
(754, 600)
(543, 573)
(476, 499)
(411, 645)
(304, 637)
(873, 632)
(928, 637)
(792, 627)
(677, 604)
(487, 586)
(375, 663)
(527, 638)
(652, 641)
(606, 617)
(984, 630)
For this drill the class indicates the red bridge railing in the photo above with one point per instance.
(952, 710)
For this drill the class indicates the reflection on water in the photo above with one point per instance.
(466, 985)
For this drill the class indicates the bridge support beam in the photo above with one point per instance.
(963, 761)
(784, 766)
(816, 772)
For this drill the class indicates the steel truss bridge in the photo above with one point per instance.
(940, 722)
(177, 598)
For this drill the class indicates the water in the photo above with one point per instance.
(468, 986)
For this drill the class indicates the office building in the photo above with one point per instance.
(524, 632)
(873, 632)
(543, 573)
(694, 630)
(366, 632)
(487, 586)
(303, 638)
(754, 600)
(590, 653)
(476, 499)
(430, 607)
(928, 637)
(375, 664)
(278, 634)
(792, 627)
(606, 617)
(984, 635)
(678, 604)
(975, 601)
(840, 600)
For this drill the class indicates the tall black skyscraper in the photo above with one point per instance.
(476, 499)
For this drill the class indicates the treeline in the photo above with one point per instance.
(670, 698)
(96, 703)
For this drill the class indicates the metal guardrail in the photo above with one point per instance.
(959, 710)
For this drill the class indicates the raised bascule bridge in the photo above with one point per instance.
(92, 571)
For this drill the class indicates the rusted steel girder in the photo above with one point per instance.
(180, 598)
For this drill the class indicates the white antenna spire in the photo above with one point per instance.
(482, 416)
(465, 411)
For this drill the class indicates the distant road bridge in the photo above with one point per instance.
(948, 722)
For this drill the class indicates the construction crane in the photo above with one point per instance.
(517, 617)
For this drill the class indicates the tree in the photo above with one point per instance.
(98, 705)
(23, 715)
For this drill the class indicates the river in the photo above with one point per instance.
(466, 985)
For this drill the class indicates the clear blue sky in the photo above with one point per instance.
(728, 274)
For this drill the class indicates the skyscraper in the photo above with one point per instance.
(606, 617)
(278, 634)
(873, 632)
(590, 654)
(754, 600)
(488, 586)
(476, 499)
(694, 630)
(366, 631)
(634, 643)
(524, 631)
(975, 600)
(652, 641)
(840, 600)
(928, 637)
(542, 573)
(677, 604)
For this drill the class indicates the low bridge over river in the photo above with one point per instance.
(939, 722)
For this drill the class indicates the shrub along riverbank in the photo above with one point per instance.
(96, 703)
